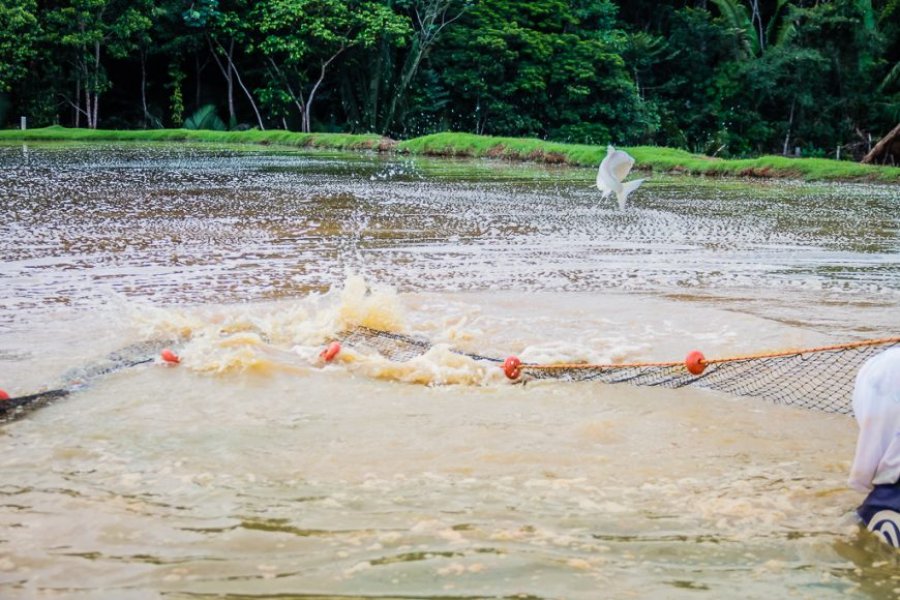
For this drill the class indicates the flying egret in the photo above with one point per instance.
(613, 169)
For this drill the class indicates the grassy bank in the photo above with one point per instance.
(330, 141)
(648, 158)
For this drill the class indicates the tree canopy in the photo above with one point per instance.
(722, 77)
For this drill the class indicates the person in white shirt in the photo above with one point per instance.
(876, 465)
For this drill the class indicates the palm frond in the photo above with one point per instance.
(738, 18)
(205, 117)
(889, 79)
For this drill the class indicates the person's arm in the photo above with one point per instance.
(869, 450)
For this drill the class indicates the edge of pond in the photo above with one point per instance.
(649, 159)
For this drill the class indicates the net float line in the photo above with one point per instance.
(819, 378)
(696, 363)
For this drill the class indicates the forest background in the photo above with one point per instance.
(729, 78)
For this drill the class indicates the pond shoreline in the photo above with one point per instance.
(649, 159)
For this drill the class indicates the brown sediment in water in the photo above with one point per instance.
(252, 469)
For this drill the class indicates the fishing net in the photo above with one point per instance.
(75, 379)
(815, 378)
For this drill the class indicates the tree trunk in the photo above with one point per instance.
(307, 114)
(82, 83)
(87, 107)
(237, 75)
(78, 101)
(481, 118)
(144, 88)
(87, 92)
(231, 73)
(883, 148)
(96, 84)
(787, 136)
(375, 86)
(298, 100)
(229, 77)
(199, 69)
(226, 73)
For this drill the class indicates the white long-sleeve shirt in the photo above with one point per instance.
(876, 405)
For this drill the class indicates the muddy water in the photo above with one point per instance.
(251, 470)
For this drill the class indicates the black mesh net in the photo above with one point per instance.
(817, 378)
(397, 346)
(75, 379)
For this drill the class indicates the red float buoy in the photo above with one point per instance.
(330, 352)
(169, 356)
(3, 395)
(512, 366)
(695, 362)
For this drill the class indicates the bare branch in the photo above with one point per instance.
(73, 105)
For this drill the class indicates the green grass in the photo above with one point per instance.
(647, 158)
(330, 141)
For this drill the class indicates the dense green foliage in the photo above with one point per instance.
(720, 77)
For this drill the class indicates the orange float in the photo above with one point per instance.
(695, 362)
(330, 351)
(512, 366)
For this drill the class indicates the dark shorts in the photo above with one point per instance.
(880, 512)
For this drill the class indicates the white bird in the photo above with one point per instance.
(613, 169)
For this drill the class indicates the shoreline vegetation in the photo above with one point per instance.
(465, 145)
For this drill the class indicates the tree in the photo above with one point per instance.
(730, 77)
(689, 77)
(548, 68)
(430, 18)
(303, 39)
(19, 33)
(89, 30)
(886, 100)
(226, 27)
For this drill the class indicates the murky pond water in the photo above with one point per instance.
(252, 471)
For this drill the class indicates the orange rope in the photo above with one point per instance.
(848, 346)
